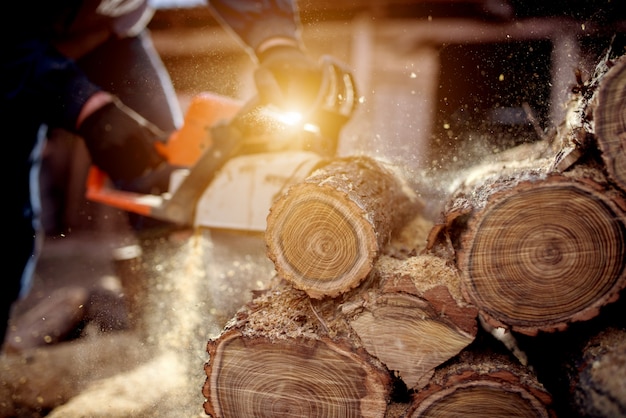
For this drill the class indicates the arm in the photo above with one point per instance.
(50, 89)
(38, 66)
(286, 75)
(260, 25)
(270, 32)
(46, 84)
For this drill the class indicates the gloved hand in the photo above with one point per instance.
(324, 92)
(288, 78)
(121, 143)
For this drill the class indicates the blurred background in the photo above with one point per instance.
(442, 82)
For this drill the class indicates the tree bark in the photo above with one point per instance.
(325, 233)
(482, 384)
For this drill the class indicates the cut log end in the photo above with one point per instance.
(481, 399)
(289, 378)
(325, 233)
(545, 255)
(482, 383)
(610, 123)
(324, 243)
(398, 326)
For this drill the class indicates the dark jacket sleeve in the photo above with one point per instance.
(36, 77)
(256, 21)
(46, 84)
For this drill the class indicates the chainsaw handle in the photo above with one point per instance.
(98, 190)
(184, 146)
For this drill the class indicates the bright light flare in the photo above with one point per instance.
(309, 127)
(291, 118)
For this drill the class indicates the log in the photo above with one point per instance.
(596, 375)
(580, 366)
(324, 234)
(538, 249)
(606, 116)
(414, 318)
(482, 383)
(276, 358)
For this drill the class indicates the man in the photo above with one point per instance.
(89, 67)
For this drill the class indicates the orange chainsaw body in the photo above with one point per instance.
(183, 148)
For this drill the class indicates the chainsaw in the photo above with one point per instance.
(237, 157)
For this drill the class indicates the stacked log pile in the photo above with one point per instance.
(362, 321)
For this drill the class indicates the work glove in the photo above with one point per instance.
(323, 92)
(121, 143)
(288, 78)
